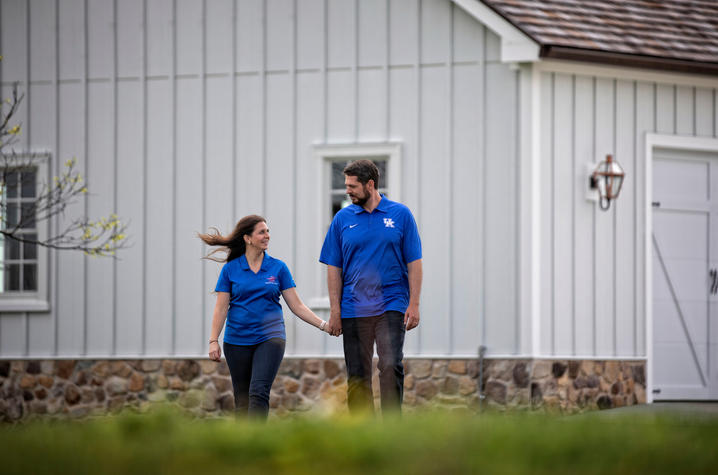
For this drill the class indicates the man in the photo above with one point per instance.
(373, 256)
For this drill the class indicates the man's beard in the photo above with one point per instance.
(361, 201)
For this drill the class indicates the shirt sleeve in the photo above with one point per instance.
(332, 249)
(411, 242)
(285, 278)
(223, 282)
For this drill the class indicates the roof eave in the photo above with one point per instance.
(630, 60)
(516, 46)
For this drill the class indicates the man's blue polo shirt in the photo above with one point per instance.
(255, 314)
(373, 250)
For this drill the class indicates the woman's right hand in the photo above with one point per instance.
(214, 351)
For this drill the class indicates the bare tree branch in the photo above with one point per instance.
(18, 213)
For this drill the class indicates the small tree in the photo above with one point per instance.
(100, 237)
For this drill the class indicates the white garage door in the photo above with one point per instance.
(685, 286)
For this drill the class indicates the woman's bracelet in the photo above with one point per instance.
(323, 325)
(214, 341)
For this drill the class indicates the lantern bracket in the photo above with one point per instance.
(591, 190)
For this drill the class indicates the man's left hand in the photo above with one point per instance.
(411, 317)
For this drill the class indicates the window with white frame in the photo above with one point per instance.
(333, 159)
(23, 264)
(338, 197)
(336, 157)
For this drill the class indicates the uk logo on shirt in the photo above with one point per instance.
(271, 280)
(388, 223)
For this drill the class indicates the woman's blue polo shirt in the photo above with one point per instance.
(255, 314)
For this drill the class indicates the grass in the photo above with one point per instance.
(436, 442)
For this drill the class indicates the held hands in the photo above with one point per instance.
(214, 351)
(411, 317)
(334, 326)
(324, 326)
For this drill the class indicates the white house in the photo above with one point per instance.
(487, 118)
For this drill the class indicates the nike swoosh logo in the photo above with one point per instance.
(352, 225)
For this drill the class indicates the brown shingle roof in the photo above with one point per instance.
(673, 34)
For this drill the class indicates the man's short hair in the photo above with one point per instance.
(364, 170)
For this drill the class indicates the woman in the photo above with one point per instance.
(248, 291)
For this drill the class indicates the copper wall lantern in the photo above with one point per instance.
(607, 179)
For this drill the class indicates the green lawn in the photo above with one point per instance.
(435, 442)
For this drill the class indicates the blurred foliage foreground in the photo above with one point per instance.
(427, 443)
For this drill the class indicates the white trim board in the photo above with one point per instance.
(536, 211)
(653, 141)
(618, 72)
(530, 210)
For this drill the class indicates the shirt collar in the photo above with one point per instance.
(383, 203)
(245, 265)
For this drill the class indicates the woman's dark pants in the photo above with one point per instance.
(253, 369)
(387, 330)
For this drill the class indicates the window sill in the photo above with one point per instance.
(23, 305)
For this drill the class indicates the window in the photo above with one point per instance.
(335, 158)
(19, 271)
(23, 264)
(338, 197)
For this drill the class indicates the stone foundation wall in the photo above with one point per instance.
(79, 388)
(565, 385)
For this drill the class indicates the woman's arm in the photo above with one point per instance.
(218, 318)
(300, 310)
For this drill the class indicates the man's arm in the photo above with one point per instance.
(334, 282)
(416, 274)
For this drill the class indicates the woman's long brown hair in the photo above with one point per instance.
(233, 244)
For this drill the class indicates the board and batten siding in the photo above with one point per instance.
(592, 262)
(186, 114)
